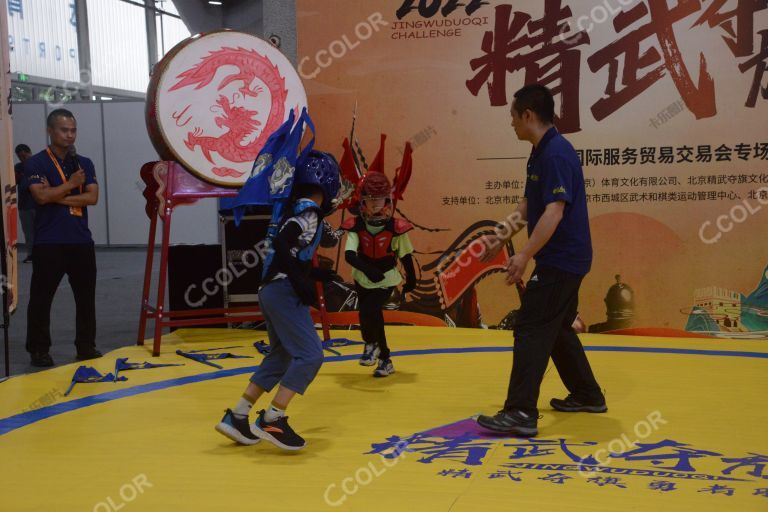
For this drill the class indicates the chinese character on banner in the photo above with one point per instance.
(506, 474)
(661, 485)
(465, 448)
(741, 43)
(760, 63)
(556, 478)
(761, 492)
(455, 473)
(757, 462)
(15, 6)
(73, 14)
(602, 481)
(551, 59)
(542, 447)
(718, 489)
(681, 454)
(625, 84)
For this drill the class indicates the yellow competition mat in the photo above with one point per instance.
(685, 431)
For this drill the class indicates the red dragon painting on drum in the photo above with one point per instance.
(217, 99)
(239, 121)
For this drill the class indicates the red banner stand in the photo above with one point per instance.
(170, 185)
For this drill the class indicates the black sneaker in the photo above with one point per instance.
(384, 369)
(41, 359)
(572, 404)
(278, 432)
(90, 353)
(514, 422)
(236, 428)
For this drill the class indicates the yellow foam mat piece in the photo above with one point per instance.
(686, 426)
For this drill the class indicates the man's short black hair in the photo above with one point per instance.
(538, 99)
(59, 112)
(22, 148)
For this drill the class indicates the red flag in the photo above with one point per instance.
(378, 163)
(350, 176)
(403, 173)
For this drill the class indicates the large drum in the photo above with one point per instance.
(214, 100)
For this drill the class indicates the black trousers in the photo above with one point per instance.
(370, 302)
(49, 264)
(543, 330)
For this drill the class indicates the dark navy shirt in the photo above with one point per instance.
(54, 224)
(555, 174)
(23, 197)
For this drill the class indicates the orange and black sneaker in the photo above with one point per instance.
(278, 432)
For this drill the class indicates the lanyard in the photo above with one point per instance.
(58, 167)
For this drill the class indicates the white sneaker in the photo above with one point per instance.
(370, 355)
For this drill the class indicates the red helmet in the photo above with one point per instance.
(376, 199)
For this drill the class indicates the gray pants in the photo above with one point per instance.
(296, 352)
(27, 218)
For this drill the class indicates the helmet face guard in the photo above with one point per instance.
(376, 207)
(376, 210)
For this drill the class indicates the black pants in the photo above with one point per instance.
(543, 329)
(370, 302)
(49, 264)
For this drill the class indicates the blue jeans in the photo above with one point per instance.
(296, 352)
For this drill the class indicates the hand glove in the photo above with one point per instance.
(410, 273)
(305, 289)
(373, 274)
(324, 275)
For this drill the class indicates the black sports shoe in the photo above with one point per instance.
(236, 428)
(572, 404)
(278, 432)
(514, 422)
(89, 353)
(41, 359)
(384, 369)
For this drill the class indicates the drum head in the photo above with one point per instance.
(214, 100)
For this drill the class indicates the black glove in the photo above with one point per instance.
(371, 272)
(305, 289)
(410, 274)
(301, 283)
(374, 275)
(324, 275)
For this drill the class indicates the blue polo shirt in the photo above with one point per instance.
(555, 174)
(54, 224)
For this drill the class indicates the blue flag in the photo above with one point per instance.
(122, 364)
(206, 358)
(271, 179)
(262, 347)
(328, 345)
(86, 374)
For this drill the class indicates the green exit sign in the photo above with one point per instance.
(23, 77)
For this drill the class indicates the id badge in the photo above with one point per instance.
(76, 211)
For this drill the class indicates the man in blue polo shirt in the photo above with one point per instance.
(555, 209)
(63, 184)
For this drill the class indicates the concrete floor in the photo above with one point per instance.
(118, 295)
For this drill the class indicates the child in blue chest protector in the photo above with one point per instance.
(296, 352)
